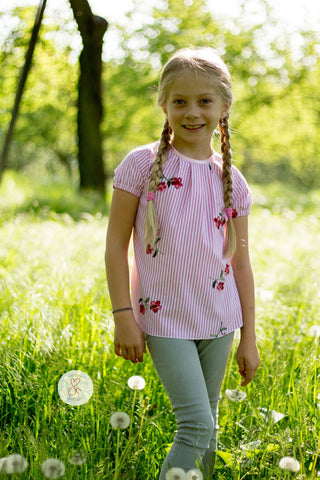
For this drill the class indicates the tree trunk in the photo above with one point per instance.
(21, 85)
(92, 29)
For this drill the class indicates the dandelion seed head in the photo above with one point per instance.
(290, 464)
(235, 395)
(136, 382)
(175, 474)
(77, 458)
(53, 468)
(120, 420)
(271, 415)
(254, 445)
(314, 331)
(194, 474)
(14, 463)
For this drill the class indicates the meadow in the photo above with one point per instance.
(55, 316)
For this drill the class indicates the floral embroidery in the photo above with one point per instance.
(221, 332)
(154, 250)
(219, 221)
(162, 186)
(167, 182)
(154, 305)
(218, 283)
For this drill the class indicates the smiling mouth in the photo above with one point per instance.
(193, 127)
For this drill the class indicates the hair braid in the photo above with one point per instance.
(152, 222)
(230, 240)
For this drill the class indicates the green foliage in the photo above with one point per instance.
(275, 74)
(55, 316)
(46, 126)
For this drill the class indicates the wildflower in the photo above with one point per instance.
(120, 420)
(53, 468)
(194, 474)
(235, 395)
(136, 382)
(314, 331)
(77, 459)
(14, 463)
(289, 463)
(175, 474)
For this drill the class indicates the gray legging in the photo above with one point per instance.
(192, 372)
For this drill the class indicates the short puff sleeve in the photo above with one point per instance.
(133, 171)
(242, 196)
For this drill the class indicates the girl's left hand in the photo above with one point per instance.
(248, 359)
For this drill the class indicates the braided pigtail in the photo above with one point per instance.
(152, 223)
(230, 240)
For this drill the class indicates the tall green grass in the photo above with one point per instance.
(55, 316)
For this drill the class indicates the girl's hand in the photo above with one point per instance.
(248, 359)
(129, 341)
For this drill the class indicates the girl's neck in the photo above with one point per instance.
(194, 151)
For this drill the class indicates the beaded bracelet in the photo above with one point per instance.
(122, 309)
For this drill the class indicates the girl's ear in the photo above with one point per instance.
(165, 111)
(225, 110)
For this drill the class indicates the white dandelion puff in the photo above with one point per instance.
(235, 395)
(289, 463)
(175, 474)
(53, 468)
(272, 415)
(254, 445)
(194, 474)
(77, 458)
(120, 420)
(136, 382)
(314, 331)
(14, 463)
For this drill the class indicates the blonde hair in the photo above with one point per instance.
(206, 61)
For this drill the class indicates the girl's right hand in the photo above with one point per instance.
(129, 341)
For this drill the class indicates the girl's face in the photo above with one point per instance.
(193, 109)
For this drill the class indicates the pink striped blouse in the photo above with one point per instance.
(183, 288)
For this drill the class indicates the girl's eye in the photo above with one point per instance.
(178, 101)
(205, 101)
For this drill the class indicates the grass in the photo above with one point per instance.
(55, 317)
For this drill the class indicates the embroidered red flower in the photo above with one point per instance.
(142, 309)
(220, 286)
(234, 213)
(155, 306)
(227, 269)
(162, 186)
(219, 221)
(149, 249)
(176, 182)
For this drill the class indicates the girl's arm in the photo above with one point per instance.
(247, 355)
(128, 336)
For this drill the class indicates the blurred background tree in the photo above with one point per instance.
(275, 115)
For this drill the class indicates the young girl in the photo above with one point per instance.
(192, 282)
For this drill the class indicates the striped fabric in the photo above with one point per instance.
(183, 288)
